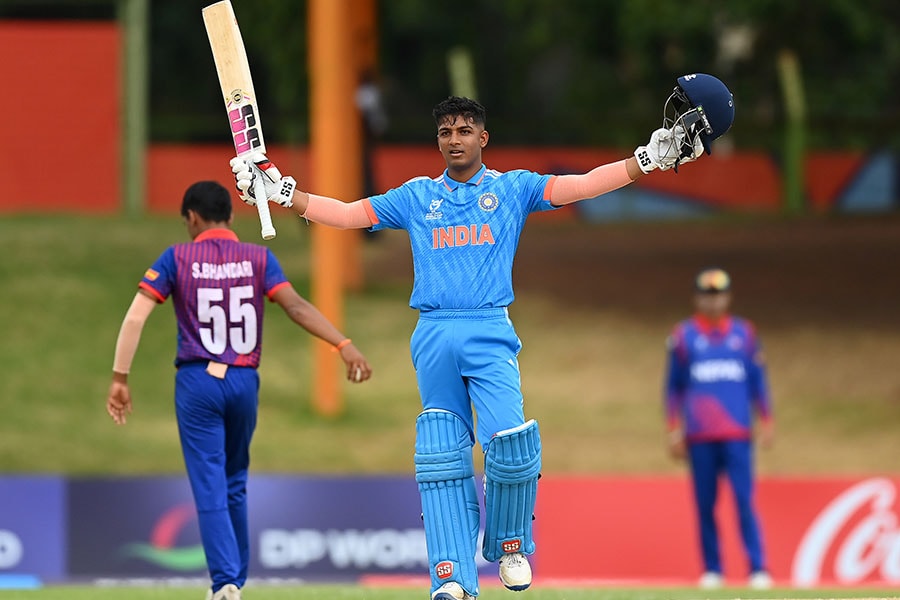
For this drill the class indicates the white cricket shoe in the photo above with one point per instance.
(515, 572)
(760, 580)
(229, 591)
(710, 581)
(451, 591)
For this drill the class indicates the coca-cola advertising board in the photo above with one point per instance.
(816, 532)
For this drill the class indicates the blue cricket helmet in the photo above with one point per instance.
(703, 105)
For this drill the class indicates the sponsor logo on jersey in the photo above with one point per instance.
(719, 369)
(434, 210)
(151, 275)
(229, 270)
(734, 342)
(488, 202)
(461, 235)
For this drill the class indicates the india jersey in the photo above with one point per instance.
(217, 284)
(463, 235)
(716, 377)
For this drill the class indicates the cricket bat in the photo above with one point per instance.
(240, 98)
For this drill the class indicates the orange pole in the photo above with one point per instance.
(362, 35)
(332, 135)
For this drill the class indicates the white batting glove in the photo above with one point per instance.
(661, 152)
(279, 190)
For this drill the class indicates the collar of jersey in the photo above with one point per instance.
(707, 325)
(217, 234)
(476, 179)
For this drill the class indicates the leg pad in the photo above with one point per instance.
(512, 464)
(446, 479)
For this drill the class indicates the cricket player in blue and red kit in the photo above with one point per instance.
(464, 228)
(716, 386)
(218, 286)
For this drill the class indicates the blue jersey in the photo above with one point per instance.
(716, 377)
(217, 284)
(463, 235)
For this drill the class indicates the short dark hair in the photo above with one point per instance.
(209, 199)
(456, 106)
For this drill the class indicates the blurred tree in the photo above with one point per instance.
(584, 72)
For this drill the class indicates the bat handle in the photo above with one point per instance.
(262, 206)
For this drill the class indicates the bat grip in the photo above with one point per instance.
(262, 207)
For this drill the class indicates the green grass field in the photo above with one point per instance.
(347, 592)
(592, 362)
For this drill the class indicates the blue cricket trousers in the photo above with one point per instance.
(216, 420)
(466, 358)
(735, 459)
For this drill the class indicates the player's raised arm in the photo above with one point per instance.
(282, 191)
(698, 111)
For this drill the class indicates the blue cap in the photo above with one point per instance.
(714, 104)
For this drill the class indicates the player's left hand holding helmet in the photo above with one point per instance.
(664, 150)
(279, 190)
(701, 107)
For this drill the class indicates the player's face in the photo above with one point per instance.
(712, 305)
(460, 142)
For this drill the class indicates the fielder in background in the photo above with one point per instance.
(464, 227)
(716, 381)
(218, 286)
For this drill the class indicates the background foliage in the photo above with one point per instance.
(583, 72)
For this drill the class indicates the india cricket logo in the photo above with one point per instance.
(488, 202)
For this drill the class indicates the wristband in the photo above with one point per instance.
(342, 344)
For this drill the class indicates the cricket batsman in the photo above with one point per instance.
(464, 226)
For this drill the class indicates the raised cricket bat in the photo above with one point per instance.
(240, 99)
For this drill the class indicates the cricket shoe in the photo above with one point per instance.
(451, 591)
(229, 591)
(515, 572)
(710, 581)
(760, 580)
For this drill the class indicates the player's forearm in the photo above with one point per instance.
(605, 178)
(306, 315)
(332, 212)
(130, 335)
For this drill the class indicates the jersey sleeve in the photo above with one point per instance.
(275, 277)
(757, 377)
(159, 279)
(392, 207)
(533, 190)
(676, 377)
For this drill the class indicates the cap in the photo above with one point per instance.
(713, 281)
(714, 104)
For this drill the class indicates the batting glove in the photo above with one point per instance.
(661, 152)
(279, 190)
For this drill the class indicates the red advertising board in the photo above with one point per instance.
(61, 137)
(816, 531)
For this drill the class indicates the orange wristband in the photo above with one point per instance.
(342, 344)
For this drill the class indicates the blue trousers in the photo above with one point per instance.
(216, 420)
(466, 358)
(734, 458)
